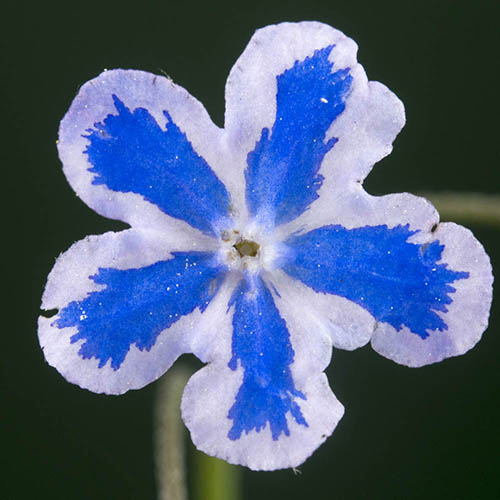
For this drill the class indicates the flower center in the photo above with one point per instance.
(247, 248)
(240, 250)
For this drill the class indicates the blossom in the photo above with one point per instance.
(254, 247)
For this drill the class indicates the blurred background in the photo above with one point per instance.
(407, 433)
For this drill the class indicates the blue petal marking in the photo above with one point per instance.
(138, 304)
(282, 173)
(261, 344)
(399, 283)
(129, 152)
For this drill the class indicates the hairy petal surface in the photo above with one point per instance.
(138, 148)
(268, 406)
(398, 282)
(124, 310)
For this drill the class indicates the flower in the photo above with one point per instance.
(255, 247)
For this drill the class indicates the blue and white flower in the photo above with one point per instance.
(254, 247)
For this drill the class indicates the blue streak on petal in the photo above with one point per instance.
(129, 152)
(398, 282)
(282, 174)
(138, 304)
(261, 344)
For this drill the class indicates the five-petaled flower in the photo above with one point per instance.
(255, 247)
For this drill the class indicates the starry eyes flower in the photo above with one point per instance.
(254, 247)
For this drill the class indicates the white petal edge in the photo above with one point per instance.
(205, 404)
(211, 392)
(371, 121)
(69, 281)
(467, 315)
(136, 89)
(353, 207)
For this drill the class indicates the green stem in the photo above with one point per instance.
(467, 207)
(169, 435)
(216, 479)
(213, 479)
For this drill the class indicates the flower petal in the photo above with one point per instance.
(127, 308)
(286, 89)
(137, 148)
(252, 85)
(347, 324)
(261, 346)
(400, 283)
(353, 207)
(262, 403)
(466, 316)
(372, 119)
(282, 175)
(281, 82)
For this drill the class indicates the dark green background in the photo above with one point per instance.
(407, 433)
